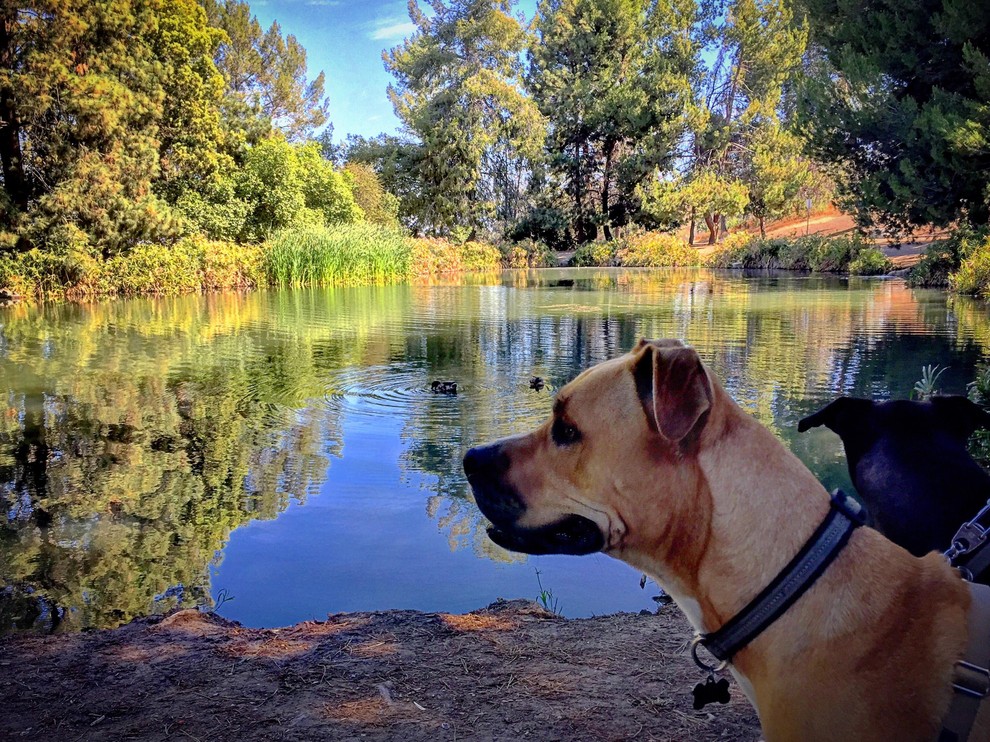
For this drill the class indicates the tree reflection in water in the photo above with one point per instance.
(135, 436)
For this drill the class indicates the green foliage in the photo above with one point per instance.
(775, 173)
(99, 102)
(613, 79)
(870, 261)
(927, 387)
(897, 101)
(935, 266)
(431, 256)
(656, 250)
(266, 76)
(545, 223)
(738, 141)
(973, 274)
(457, 90)
(216, 213)
(546, 597)
(378, 205)
(337, 255)
(979, 392)
(816, 253)
(395, 161)
(292, 185)
(528, 254)
(597, 254)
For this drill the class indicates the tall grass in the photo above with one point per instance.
(345, 254)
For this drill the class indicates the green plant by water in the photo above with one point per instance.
(546, 598)
(927, 386)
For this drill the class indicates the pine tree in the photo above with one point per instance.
(458, 93)
(899, 102)
(612, 76)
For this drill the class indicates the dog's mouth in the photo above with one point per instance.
(573, 534)
(502, 505)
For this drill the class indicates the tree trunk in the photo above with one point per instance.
(606, 175)
(763, 227)
(712, 221)
(10, 128)
(723, 228)
(691, 233)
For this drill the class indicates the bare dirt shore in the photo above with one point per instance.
(510, 671)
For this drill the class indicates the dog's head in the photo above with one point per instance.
(612, 465)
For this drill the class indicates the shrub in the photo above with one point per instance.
(870, 261)
(151, 269)
(598, 254)
(943, 259)
(480, 256)
(815, 253)
(656, 250)
(528, 254)
(973, 274)
(431, 256)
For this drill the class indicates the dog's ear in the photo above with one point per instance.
(673, 387)
(960, 416)
(834, 415)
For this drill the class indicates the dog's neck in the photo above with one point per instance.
(755, 497)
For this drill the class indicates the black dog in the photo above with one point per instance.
(909, 463)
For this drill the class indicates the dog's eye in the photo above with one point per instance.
(564, 434)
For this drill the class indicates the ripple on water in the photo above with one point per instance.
(386, 391)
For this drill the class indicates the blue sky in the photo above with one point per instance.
(345, 39)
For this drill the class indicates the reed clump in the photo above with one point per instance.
(346, 254)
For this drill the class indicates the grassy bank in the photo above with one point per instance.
(842, 254)
(340, 255)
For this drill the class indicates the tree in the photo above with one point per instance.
(899, 105)
(266, 76)
(288, 185)
(613, 78)
(394, 160)
(758, 51)
(378, 205)
(775, 174)
(458, 93)
(99, 100)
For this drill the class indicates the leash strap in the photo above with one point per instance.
(970, 676)
(844, 516)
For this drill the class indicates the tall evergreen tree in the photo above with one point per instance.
(458, 92)
(900, 103)
(266, 74)
(613, 77)
(99, 99)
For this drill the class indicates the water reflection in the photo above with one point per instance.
(136, 436)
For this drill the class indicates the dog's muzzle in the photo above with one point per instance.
(486, 468)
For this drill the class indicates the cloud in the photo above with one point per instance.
(391, 28)
(324, 3)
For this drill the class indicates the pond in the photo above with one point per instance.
(281, 455)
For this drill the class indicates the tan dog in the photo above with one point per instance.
(649, 460)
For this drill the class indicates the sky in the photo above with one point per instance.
(345, 39)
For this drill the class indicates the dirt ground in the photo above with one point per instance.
(508, 672)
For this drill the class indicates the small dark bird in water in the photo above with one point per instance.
(444, 387)
(536, 383)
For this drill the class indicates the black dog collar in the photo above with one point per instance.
(844, 516)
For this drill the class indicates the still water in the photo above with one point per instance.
(281, 455)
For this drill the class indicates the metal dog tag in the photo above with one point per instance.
(711, 691)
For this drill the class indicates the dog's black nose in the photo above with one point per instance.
(488, 461)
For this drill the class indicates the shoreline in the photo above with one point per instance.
(509, 671)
